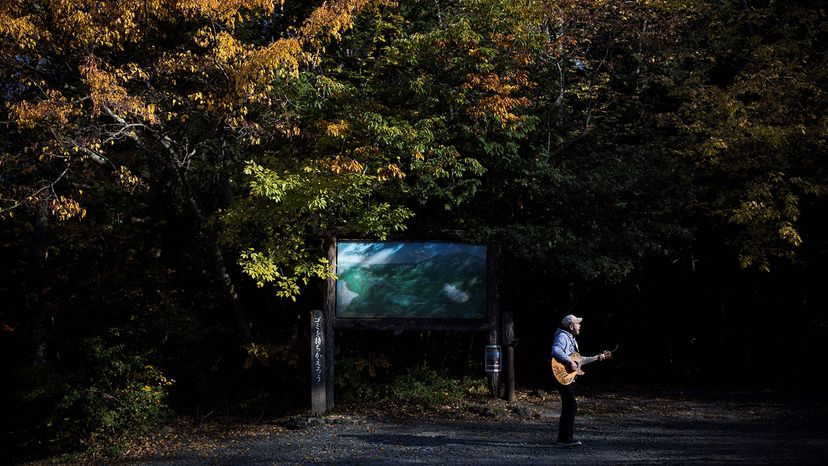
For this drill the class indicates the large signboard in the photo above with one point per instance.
(419, 280)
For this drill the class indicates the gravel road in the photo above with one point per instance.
(732, 428)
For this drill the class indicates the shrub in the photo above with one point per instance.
(422, 388)
(366, 379)
(358, 378)
(111, 396)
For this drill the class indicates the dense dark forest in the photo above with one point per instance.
(170, 171)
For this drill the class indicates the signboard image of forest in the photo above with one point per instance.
(410, 280)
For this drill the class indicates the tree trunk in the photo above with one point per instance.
(34, 286)
(217, 255)
(228, 285)
(169, 160)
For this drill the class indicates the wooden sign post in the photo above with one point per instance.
(493, 324)
(319, 368)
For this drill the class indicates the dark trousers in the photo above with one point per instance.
(569, 406)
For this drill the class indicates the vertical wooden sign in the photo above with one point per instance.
(507, 336)
(329, 314)
(319, 372)
(493, 335)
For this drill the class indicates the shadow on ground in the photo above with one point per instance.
(616, 428)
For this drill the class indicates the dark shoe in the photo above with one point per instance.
(571, 443)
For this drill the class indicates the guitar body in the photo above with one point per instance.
(562, 374)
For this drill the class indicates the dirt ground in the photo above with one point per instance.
(662, 427)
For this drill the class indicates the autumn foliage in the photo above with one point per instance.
(170, 172)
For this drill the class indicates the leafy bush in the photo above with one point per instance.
(111, 396)
(359, 378)
(422, 388)
(122, 396)
(367, 379)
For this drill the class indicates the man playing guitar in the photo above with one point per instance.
(566, 364)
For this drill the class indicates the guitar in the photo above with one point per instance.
(565, 377)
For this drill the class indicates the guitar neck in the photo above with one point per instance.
(586, 360)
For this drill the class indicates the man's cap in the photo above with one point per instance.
(570, 319)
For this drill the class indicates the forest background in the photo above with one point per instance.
(170, 170)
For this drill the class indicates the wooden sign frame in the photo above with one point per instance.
(324, 323)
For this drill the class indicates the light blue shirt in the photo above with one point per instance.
(563, 345)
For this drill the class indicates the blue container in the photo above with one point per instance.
(492, 358)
